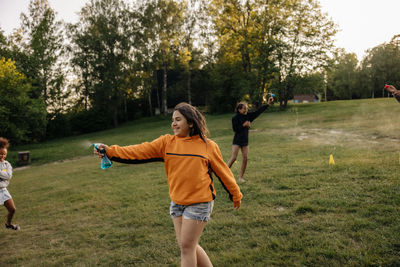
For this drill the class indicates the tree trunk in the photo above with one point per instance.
(115, 117)
(164, 92)
(261, 92)
(158, 94)
(149, 98)
(150, 105)
(86, 93)
(325, 85)
(125, 109)
(189, 86)
(285, 104)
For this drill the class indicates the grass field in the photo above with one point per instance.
(297, 209)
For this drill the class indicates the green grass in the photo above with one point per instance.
(297, 210)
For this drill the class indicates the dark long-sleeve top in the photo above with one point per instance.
(241, 137)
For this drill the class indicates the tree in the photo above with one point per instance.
(276, 41)
(43, 45)
(101, 52)
(160, 38)
(146, 49)
(312, 83)
(23, 119)
(192, 15)
(342, 77)
(305, 44)
(382, 65)
(80, 62)
(237, 25)
(169, 19)
(234, 22)
(4, 50)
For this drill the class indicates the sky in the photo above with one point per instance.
(363, 24)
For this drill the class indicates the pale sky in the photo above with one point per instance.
(363, 24)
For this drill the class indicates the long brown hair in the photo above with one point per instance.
(195, 117)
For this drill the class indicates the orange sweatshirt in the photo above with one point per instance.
(189, 164)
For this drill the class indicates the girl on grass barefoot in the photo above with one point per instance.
(190, 158)
(5, 176)
(241, 123)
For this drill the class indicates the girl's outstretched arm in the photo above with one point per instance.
(140, 153)
(391, 88)
(224, 174)
(253, 115)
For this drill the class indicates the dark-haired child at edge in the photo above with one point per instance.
(190, 158)
(241, 123)
(5, 176)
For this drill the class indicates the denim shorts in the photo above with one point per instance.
(198, 211)
(4, 195)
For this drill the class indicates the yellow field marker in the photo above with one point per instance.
(332, 161)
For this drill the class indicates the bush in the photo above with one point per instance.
(229, 85)
(59, 126)
(74, 123)
(23, 119)
(90, 121)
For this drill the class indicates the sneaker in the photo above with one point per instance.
(12, 227)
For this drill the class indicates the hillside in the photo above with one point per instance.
(297, 209)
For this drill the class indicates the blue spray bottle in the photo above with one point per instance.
(105, 161)
(271, 98)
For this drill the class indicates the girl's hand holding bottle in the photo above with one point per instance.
(100, 150)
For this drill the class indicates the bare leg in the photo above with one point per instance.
(245, 152)
(10, 206)
(235, 151)
(188, 233)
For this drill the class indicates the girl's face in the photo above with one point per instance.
(243, 110)
(3, 154)
(180, 125)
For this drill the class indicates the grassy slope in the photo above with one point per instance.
(297, 209)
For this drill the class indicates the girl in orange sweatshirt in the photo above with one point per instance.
(190, 161)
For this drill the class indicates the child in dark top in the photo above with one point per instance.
(241, 123)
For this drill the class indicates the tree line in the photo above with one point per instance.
(125, 60)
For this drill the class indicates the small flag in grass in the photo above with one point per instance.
(331, 160)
